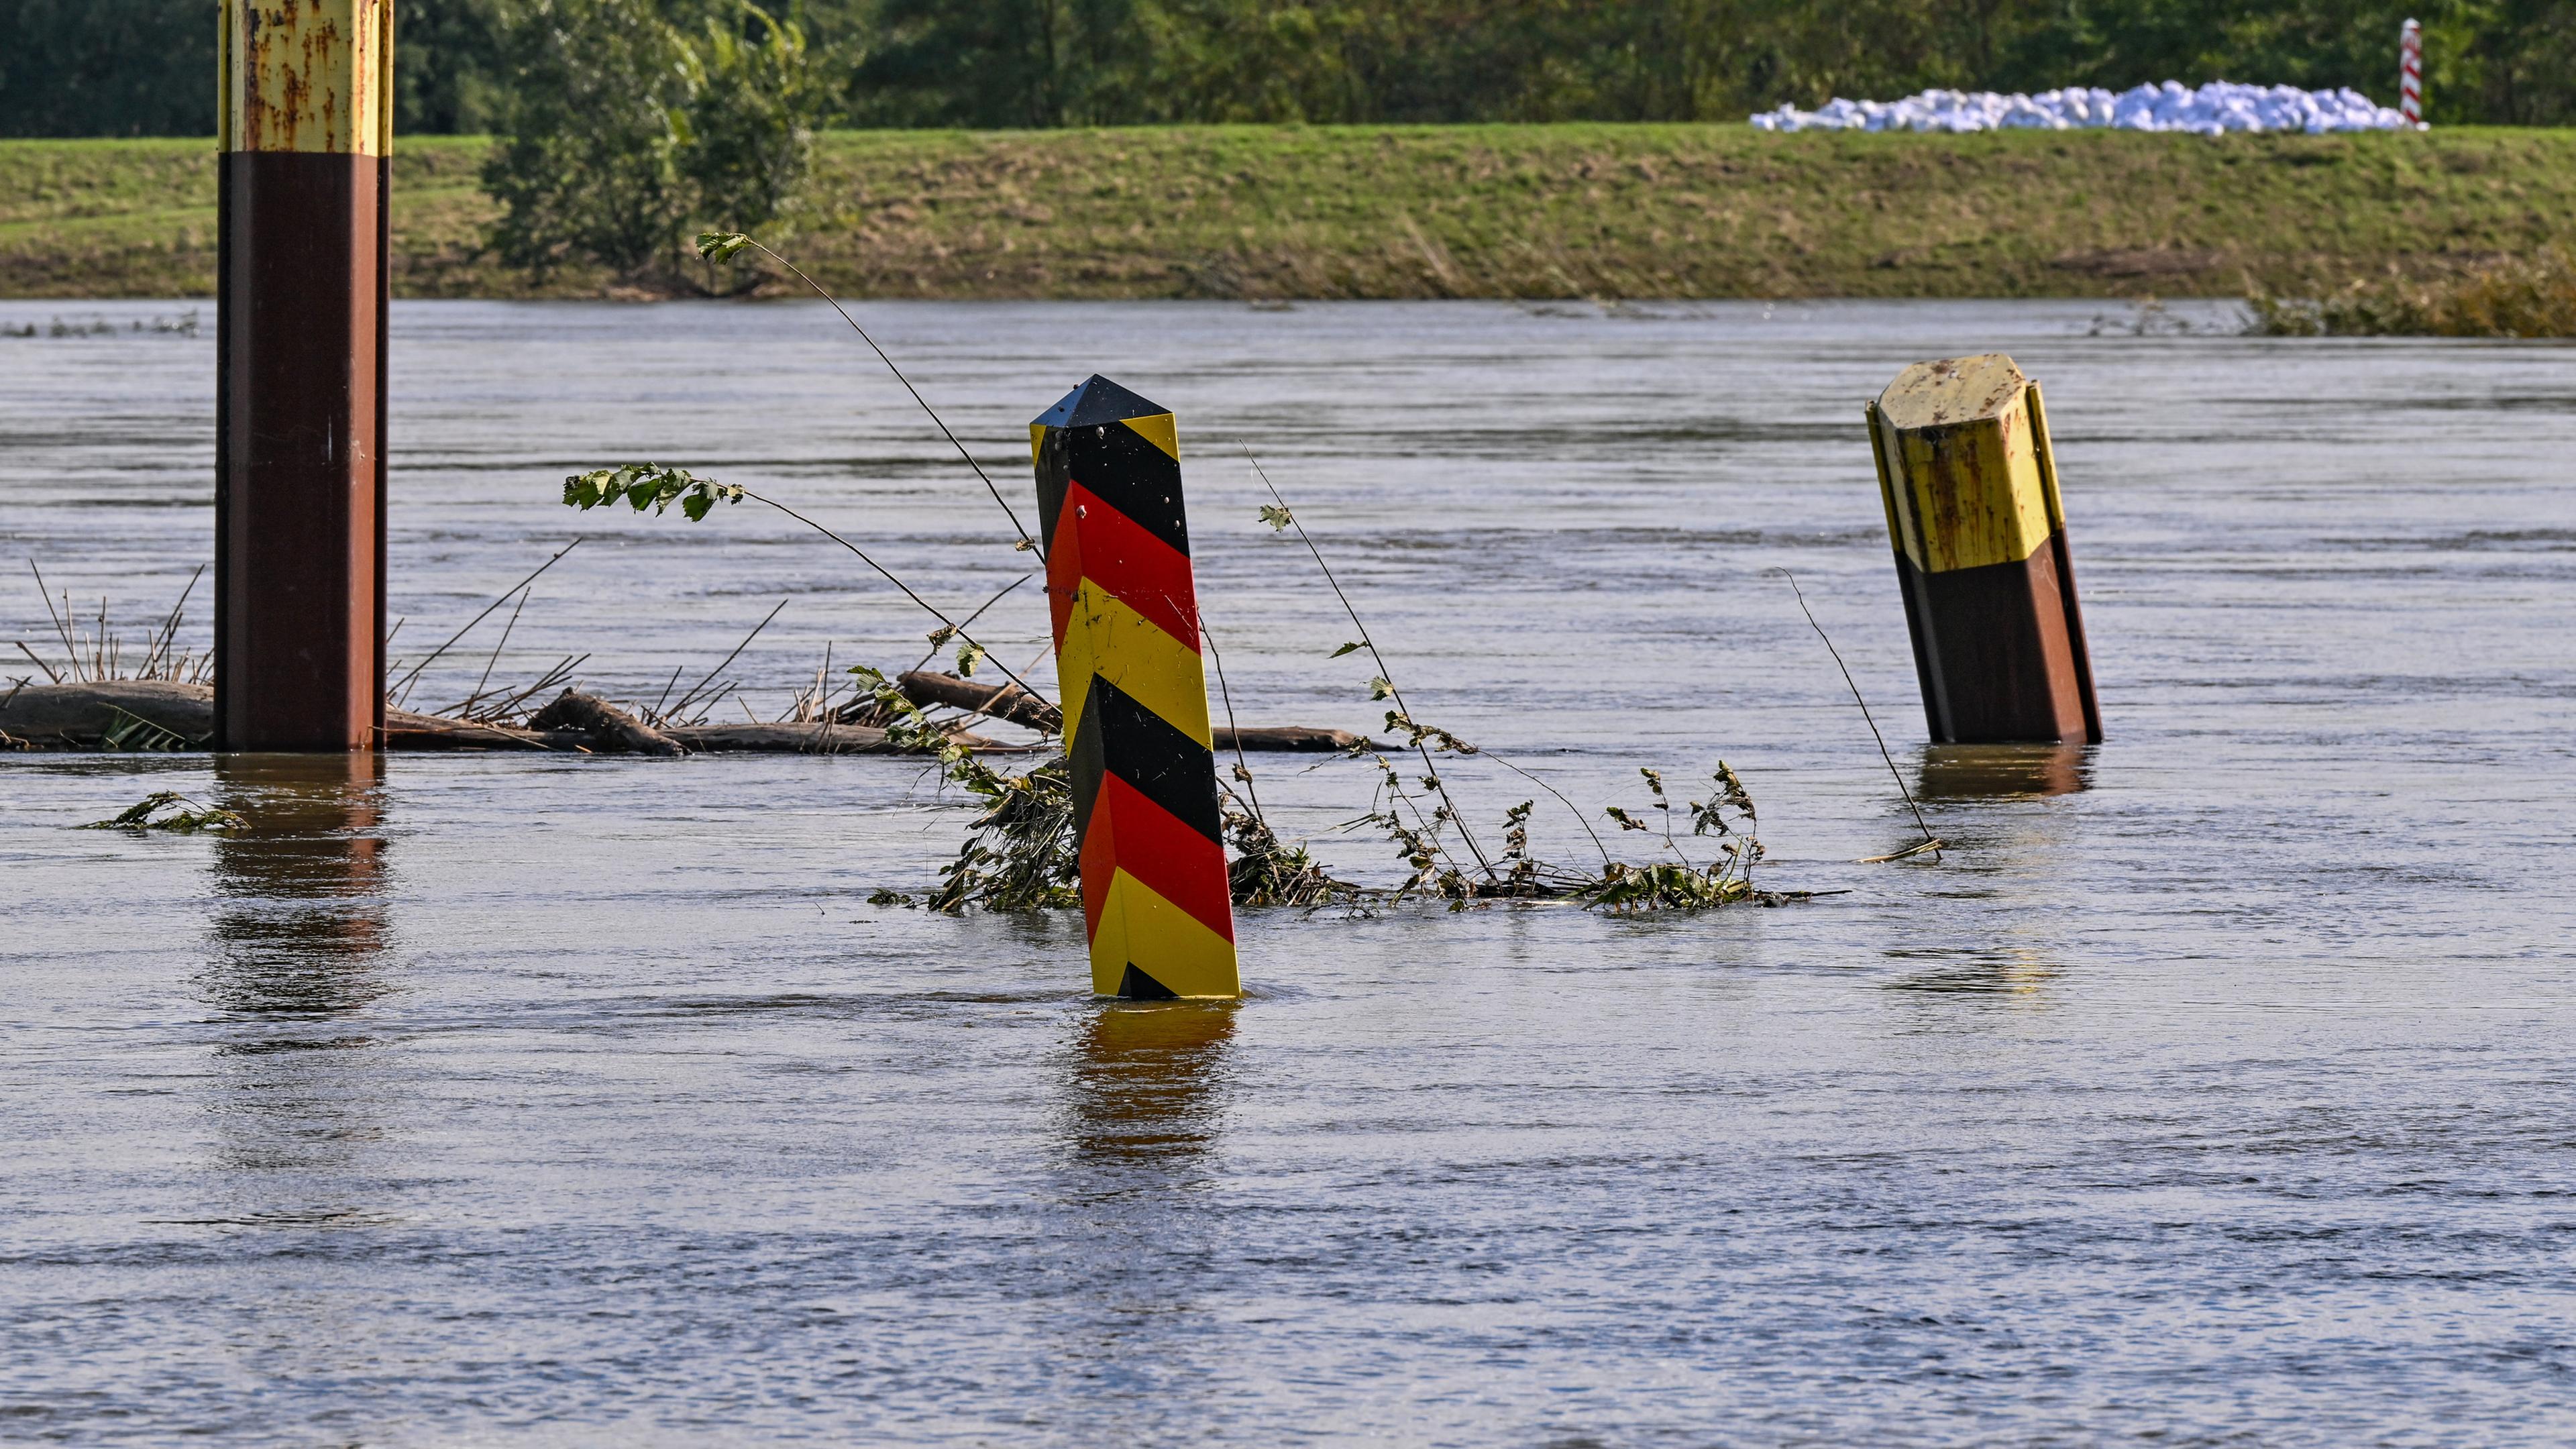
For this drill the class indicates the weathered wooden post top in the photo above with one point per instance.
(305, 126)
(1155, 897)
(1970, 485)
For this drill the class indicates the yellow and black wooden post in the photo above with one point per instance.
(1970, 485)
(1154, 892)
(306, 123)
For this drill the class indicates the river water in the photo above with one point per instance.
(2213, 1088)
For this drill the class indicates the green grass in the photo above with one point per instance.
(1477, 211)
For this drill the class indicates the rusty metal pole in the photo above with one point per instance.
(1970, 484)
(305, 122)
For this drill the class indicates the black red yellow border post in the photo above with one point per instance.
(1970, 485)
(1155, 898)
(305, 121)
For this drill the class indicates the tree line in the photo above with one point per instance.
(144, 67)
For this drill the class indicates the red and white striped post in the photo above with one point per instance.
(2410, 74)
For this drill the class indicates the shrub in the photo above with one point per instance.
(625, 133)
(2532, 296)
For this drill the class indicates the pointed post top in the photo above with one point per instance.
(1097, 403)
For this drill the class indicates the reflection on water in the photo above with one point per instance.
(1145, 1093)
(299, 929)
(1147, 1081)
(2003, 971)
(1989, 772)
(300, 918)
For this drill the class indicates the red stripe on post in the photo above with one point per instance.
(1131, 833)
(1122, 559)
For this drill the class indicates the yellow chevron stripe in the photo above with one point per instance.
(1037, 441)
(1162, 430)
(1103, 636)
(1162, 940)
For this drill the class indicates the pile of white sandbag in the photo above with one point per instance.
(2213, 109)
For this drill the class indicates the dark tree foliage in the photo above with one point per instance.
(139, 67)
(107, 67)
(449, 69)
(1074, 62)
(625, 128)
(147, 67)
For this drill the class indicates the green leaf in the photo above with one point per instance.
(1352, 647)
(969, 655)
(719, 246)
(181, 818)
(649, 485)
(1276, 516)
(1379, 688)
(586, 491)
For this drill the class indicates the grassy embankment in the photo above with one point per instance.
(1482, 211)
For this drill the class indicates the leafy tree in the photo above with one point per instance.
(449, 70)
(625, 132)
(144, 67)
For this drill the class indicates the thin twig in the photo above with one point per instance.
(954, 628)
(979, 613)
(728, 659)
(561, 673)
(1930, 841)
(1465, 835)
(71, 651)
(1227, 695)
(406, 680)
(39, 663)
(908, 387)
(170, 629)
(1580, 818)
(479, 685)
(822, 698)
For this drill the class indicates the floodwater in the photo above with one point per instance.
(2213, 1088)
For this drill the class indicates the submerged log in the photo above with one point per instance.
(164, 714)
(798, 739)
(825, 738)
(405, 730)
(1010, 703)
(611, 727)
(59, 716)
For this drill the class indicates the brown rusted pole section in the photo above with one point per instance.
(1970, 484)
(305, 128)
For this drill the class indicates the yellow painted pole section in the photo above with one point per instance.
(1970, 485)
(2047, 460)
(1960, 464)
(307, 75)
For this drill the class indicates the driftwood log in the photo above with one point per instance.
(1286, 737)
(165, 714)
(611, 727)
(51, 716)
(1017, 706)
(1004, 701)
